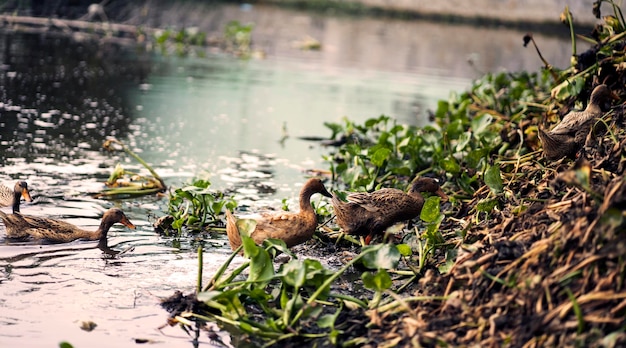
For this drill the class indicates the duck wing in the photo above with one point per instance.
(51, 229)
(573, 122)
(292, 228)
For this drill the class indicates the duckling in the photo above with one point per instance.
(292, 228)
(569, 135)
(12, 196)
(372, 213)
(21, 226)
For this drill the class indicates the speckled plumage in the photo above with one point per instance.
(22, 226)
(372, 213)
(569, 135)
(292, 228)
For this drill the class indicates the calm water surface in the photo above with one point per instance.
(216, 117)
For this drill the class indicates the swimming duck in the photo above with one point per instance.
(21, 226)
(571, 132)
(12, 197)
(292, 228)
(372, 213)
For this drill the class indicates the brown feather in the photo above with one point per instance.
(292, 228)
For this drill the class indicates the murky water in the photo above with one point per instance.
(218, 117)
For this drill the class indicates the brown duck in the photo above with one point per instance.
(569, 135)
(292, 228)
(22, 226)
(12, 197)
(369, 214)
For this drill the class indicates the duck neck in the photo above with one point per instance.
(102, 231)
(16, 202)
(593, 107)
(305, 200)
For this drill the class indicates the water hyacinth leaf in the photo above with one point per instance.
(326, 321)
(379, 156)
(385, 256)
(404, 249)
(481, 123)
(568, 88)
(475, 157)
(379, 281)
(445, 267)
(493, 178)
(464, 139)
(442, 109)
(294, 273)
(450, 165)
(261, 267)
(246, 226)
(430, 210)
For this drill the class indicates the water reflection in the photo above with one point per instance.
(60, 98)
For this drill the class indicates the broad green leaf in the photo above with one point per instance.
(493, 178)
(430, 210)
(379, 256)
(246, 226)
(380, 281)
(379, 157)
(450, 259)
(480, 124)
(261, 267)
(404, 249)
(294, 273)
(326, 321)
(450, 165)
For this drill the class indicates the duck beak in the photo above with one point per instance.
(326, 193)
(26, 195)
(441, 194)
(614, 96)
(127, 223)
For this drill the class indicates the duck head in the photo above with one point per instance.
(315, 185)
(601, 94)
(427, 185)
(20, 190)
(111, 217)
(115, 215)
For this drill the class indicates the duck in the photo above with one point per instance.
(20, 226)
(569, 135)
(370, 214)
(291, 227)
(12, 197)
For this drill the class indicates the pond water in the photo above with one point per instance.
(217, 117)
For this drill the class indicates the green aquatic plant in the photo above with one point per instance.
(180, 42)
(238, 38)
(295, 300)
(196, 206)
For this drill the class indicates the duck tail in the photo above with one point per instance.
(232, 231)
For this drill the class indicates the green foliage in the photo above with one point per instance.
(196, 206)
(180, 42)
(270, 304)
(238, 38)
(463, 138)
